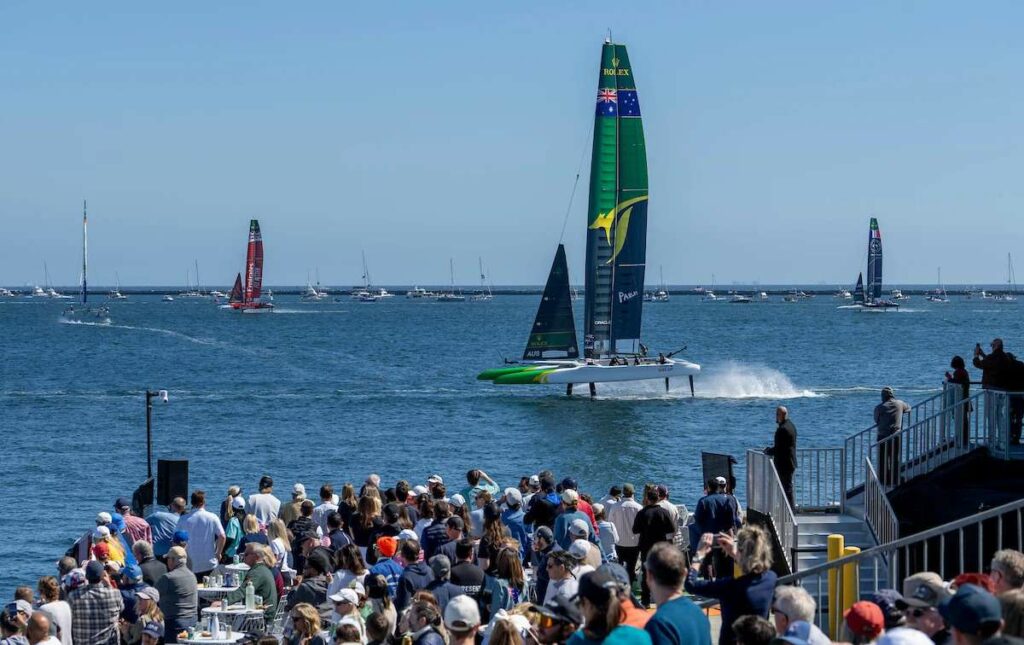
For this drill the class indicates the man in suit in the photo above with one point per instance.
(783, 452)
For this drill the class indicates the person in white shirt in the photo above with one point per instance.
(607, 534)
(206, 536)
(263, 504)
(58, 610)
(326, 507)
(622, 515)
(667, 505)
(562, 583)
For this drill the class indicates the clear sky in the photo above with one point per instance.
(420, 131)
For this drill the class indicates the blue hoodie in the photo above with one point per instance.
(415, 577)
(513, 519)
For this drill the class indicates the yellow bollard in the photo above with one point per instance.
(851, 582)
(836, 543)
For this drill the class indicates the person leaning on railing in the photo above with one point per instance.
(749, 594)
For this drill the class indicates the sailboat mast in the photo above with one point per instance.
(199, 289)
(85, 253)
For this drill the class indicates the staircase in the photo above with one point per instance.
(812, 545)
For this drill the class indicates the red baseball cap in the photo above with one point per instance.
(865, 619)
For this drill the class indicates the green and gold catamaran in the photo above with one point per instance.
(616, 260)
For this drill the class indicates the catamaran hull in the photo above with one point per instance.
(566, 372)
(249, 309)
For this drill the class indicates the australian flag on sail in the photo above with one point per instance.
(607, 102)
(629, 105)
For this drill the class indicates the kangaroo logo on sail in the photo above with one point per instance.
(618, 218)
(625, 296)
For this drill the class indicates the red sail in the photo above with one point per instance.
(236, 291)
(254, 263)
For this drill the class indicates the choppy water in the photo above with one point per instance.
(333, 391)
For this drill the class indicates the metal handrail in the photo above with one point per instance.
(878, 512)
(766, 495)
(819, 479)
(859, 444)
(931, 442)
(918, 538)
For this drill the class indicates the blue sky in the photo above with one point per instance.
(421, 131)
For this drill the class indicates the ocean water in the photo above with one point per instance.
(334, 391)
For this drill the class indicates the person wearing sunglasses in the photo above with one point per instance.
(922, 594)
(556, 620)
(561, 582)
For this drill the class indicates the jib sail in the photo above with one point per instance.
(554, 330)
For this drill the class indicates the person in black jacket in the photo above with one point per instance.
(437, 533)
(543, 505)
(415, 576)
(783, 453)
(653, 524)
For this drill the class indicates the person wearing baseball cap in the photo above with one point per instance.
(233, 532)
(886, 600)
(570, 505)
(152, 633)
(559, 619)
(975, 616)
(717, 513)
(346, 608)
(441, 587)
(462, 618)
(145, 605)
(290, 511)
(95, 608)
(600, 604)
(922, 594)
(264, 504)
(889, 419)
(136, 527)
(864, 621)
(386, 565)
(544, 505)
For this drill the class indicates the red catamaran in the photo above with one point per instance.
(245, 296)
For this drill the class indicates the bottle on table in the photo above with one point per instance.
(250, 595)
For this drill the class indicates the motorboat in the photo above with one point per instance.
(167, 298)
(843, 294)
(709, 296)
(897, 295)
(739, 298)
(419, 292)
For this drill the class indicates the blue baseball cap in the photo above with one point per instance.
(132, 572)
(798, 633)
(970, 609)
(180, 537)
(117, 521)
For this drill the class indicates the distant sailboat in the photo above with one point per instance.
(82, 312)
(484, 294)
(939, 295)
(1011, 284)
(450, 295)
(615, 261)
(116, 294)
(311, 293)
(661, 295)
(250, 301)
(50, 291)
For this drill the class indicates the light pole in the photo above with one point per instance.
(149, 427)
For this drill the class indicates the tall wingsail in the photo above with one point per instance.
(858, 291)
(85, 254)
(254, 263)
(236, 291)
(874, 283)
(554, 329)
(617, 215)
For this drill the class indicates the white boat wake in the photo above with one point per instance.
(156, 330)
(734, 380)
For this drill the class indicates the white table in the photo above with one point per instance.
(220, 639)
(214, 593)
(241, 619)
(241, 567)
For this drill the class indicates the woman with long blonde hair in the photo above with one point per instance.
(281, 547)
(305, 625)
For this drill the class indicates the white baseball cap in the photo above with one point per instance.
(579, 528)
(435, 479)
(298, 490)
(345, 595)
(237, 502)
(461, 614)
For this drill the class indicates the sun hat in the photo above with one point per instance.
(865, 619)
(462, 614)
(345, 595)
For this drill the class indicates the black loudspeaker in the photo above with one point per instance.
(142, 497)
(718, 465)
(172, 480)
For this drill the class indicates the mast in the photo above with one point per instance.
(199, 289)
(451, 271)
(617, 214)
(85, 253)
(366, 274)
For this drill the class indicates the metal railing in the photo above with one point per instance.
(818, 481)
(931, 442)
(878, 513)
(953, 548)
(858, 446)
(766, 495)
